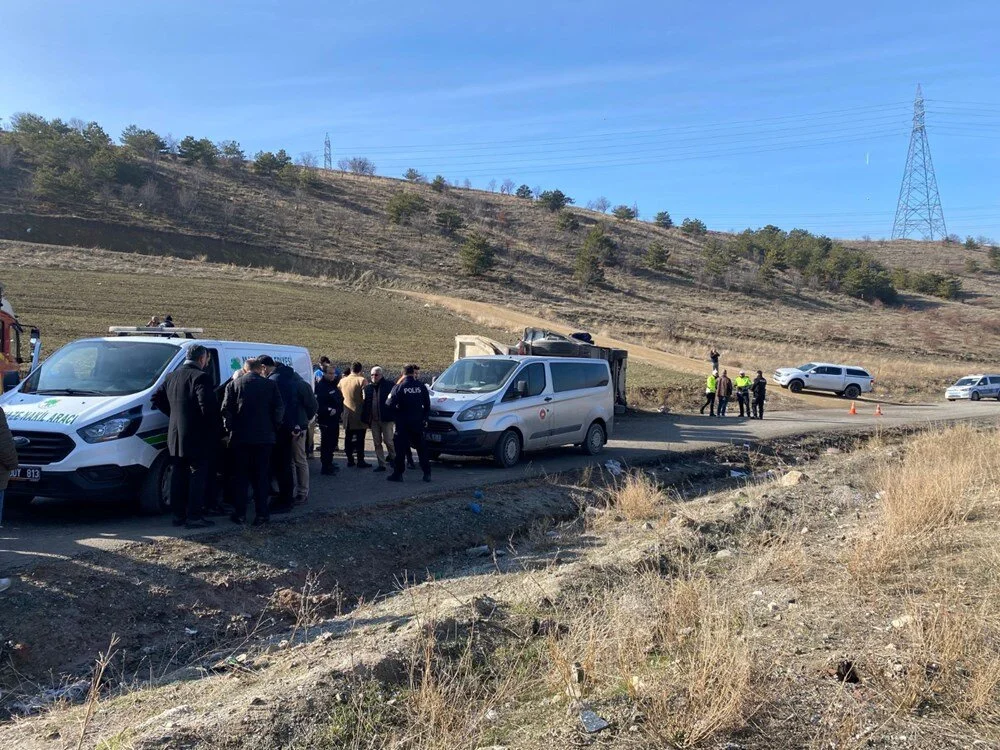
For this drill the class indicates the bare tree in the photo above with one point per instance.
(149, 195)
(601, 204)
(7, 151)
(171, 143)
(492, 185)
(357, 165)
(128, 194)
(467, 183)
(308, 160)
(187, 199)
(507, 186)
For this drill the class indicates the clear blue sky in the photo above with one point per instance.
(740, 113)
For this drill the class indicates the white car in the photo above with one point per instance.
(974, 388)
(849, 381)
(83, 421)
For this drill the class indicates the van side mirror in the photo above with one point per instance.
(522, 388)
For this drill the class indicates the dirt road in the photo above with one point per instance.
(51, 529)
(498, 316)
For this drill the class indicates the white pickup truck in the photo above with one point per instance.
(849, 381)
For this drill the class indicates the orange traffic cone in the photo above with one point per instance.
(854, 409)
(878, 410)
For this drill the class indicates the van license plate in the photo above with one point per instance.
(434, 437)
(26, 474)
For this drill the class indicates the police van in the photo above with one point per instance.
(83, 421)
(503, 405)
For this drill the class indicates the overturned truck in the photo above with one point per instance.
(539, 341)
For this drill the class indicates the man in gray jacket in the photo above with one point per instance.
(8, 462)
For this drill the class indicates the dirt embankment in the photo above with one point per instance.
(181, 607)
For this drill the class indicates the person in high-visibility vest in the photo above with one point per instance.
(711, 385)
(742, 383)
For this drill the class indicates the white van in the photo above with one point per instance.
(503, 405)
(83, 421)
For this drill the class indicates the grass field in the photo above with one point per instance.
(371, 327)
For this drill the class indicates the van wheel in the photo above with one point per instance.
(795, 386)
(595, 440)
(508, 449)
(852, 391)
(975, 396)
(154, 493)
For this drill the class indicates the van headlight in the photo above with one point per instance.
(121, 425)
(475, 413)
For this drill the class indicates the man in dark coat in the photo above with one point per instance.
(188, 398)
(253, 412)
(289, 460)
(411, 403)
(377, 414)
(758, 388)
(330, 407)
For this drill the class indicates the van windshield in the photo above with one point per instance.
(100, 368)
(473, 375)
(966, 381)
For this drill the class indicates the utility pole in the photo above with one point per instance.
(327, 153)
(919, 206)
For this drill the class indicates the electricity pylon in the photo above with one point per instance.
(919, 206)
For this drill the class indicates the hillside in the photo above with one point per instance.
(335, 225)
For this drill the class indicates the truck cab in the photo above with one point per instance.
(11, 331)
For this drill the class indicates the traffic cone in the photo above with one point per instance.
(854, 409)
(878, 410)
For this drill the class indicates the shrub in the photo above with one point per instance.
(554, 200)
(603, 247)
(567, 221)
(439, 184)
(662, 219)
(657, 256)
(970, 243)
(587, 269)
(403, 206)
(694, 227)
(449, 220)
(717, 258)
(524, 192)
(624, 213)
(993, 256)
(413, 175)
(476, 255)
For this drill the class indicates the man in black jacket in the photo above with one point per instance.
(759, 390)
(411, 404)
(289, 460)
(252, 412)
(330, 405)
(377, 414)
(188, 398)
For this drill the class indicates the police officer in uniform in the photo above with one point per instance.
(759, 390)
(411, 402)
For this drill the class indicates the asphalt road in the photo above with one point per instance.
(62, 530)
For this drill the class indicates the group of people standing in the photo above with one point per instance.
(257, 428)
(719, 391)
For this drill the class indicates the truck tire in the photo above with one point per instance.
(796, 386)
(154, 493)
(507, 452)
(852, 391)
(595, 439)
